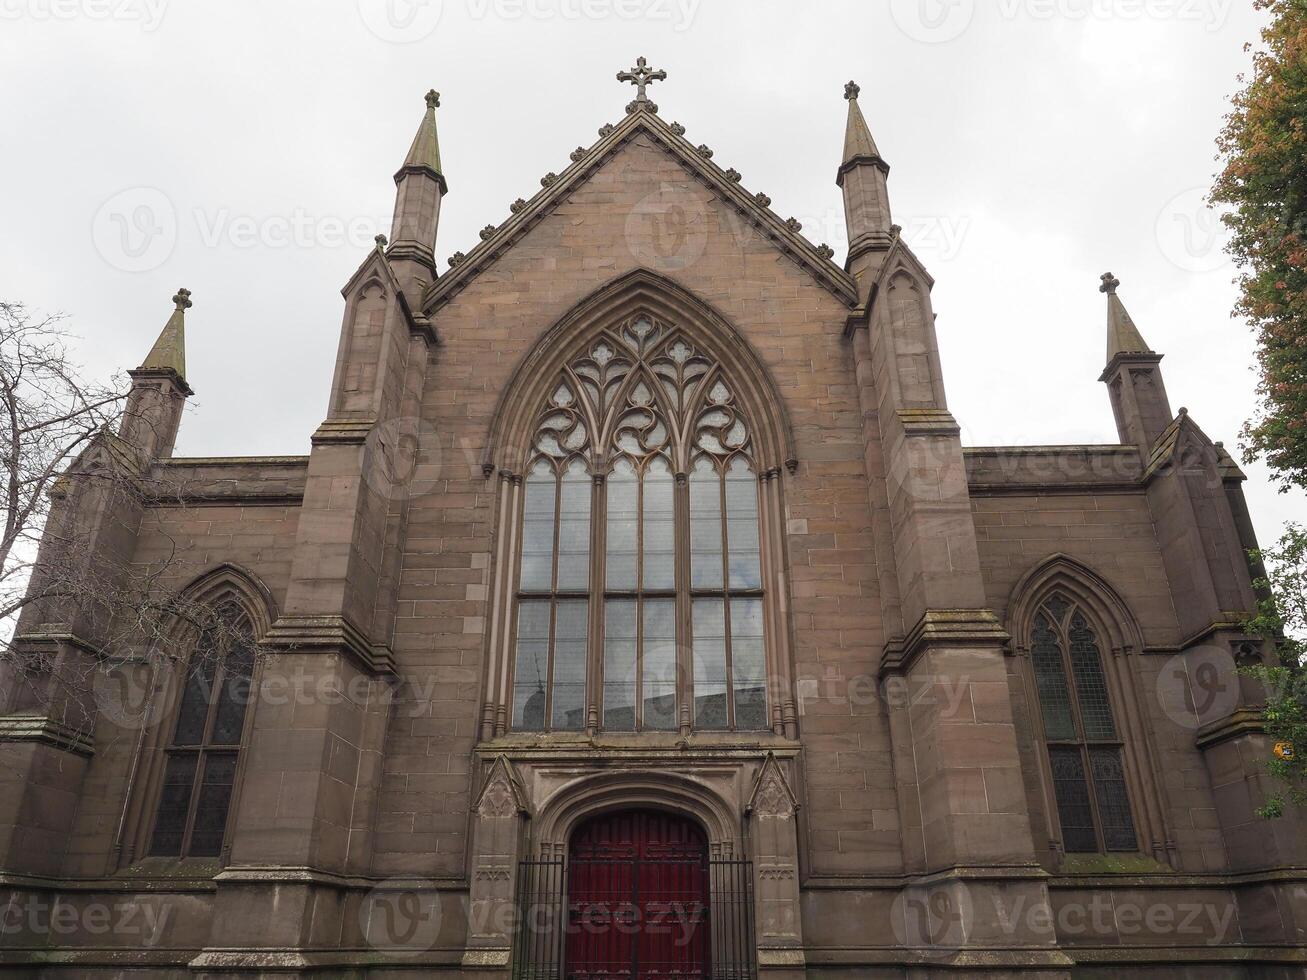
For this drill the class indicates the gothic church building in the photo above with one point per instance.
(638, 613)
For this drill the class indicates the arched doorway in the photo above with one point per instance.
(639, 898)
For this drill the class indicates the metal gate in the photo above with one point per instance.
(633, 916)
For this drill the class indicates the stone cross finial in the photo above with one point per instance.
(852, 90)
(381, 241)
(433, 99)
(641, 76)
(1110, 282)
(183, 299)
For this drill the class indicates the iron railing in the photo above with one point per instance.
(587, 918)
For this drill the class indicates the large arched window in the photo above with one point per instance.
(1080, 731)
(639, 578)
(200, 764)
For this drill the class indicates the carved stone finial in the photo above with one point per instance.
(762, 199)
(381, 241)
(517, 205)
(607, 129)
(456, 259)
(183, 299)
(895, 231)
(825, 251)
(433, 99)
(704, 150)
(1183, 411)
(548, 179)
(487, 233)
(678, 129)
(578, 153)
(641, 76)
(852, 90)
(794, 224)
(734, 176)
(1110, 282)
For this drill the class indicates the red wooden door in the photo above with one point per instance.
(638, 899)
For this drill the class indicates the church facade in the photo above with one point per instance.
(638, 612)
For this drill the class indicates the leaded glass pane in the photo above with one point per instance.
(193, 713)
(532, 668)
(705, 527)
(623, 528)
(174, 805)
(710, 664)
(229, 721)
(1091, 686)
(748, 664)
(659, 687)
(742, 526)
(569, 665)
(538, 529)
(574, 530)
(1113, 800)
(1050, 679)
(659, 527)
(619, 664)
(212, 806)
(1072, 795)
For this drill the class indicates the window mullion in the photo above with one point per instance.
(594, 698)
(726, 602)
(553, 600)
(684, 627)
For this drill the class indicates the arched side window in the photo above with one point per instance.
(203, 750)
(1081, 734)
(640, 599)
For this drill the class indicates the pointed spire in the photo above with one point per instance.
(1123, 336)
(169, 351)
(424, 154)
(858, 144)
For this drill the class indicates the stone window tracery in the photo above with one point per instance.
(1080, 731)
(640, 590)
(200, 761)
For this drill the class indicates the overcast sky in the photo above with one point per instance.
(245, 150)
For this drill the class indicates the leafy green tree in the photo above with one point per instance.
(1264, 186)
(1282, 617)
